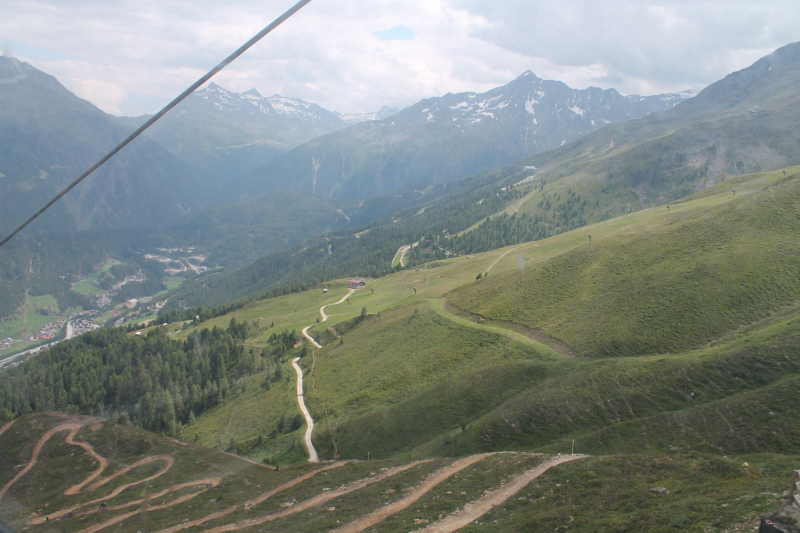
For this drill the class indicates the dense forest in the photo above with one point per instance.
(559, 215)
(34, 264)
(150, 381)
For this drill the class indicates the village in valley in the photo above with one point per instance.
(27, 333)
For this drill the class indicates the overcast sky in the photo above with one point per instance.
(132, 56)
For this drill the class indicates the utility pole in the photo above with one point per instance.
(573, 446)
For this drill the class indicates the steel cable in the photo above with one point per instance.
(196, 85)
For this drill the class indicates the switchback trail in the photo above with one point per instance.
(312, 453)
(289, 484)
(473, 511)
(73, 427)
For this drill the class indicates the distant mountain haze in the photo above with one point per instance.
(445, 138)
(49, 136)
(229, 133)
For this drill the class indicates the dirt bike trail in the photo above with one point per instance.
(423, 488)
(473, 511)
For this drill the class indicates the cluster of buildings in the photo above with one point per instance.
(139, 277)
(47, 332)
(6, 343)
(133, 302)
(103, 300)
(82, 325)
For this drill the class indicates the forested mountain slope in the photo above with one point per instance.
(229, 133)
(48, 137)
(738, 125)
(444, 138)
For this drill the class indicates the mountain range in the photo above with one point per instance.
(741, 124)
(228, 133)
(48, 137)
(599, 336)
(444, 138)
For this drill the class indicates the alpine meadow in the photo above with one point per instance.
(524, 308)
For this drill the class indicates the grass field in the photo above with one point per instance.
(87, 287)
(30, 321)
(671, 283)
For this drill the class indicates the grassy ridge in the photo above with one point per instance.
(620, 405)
(672, 288)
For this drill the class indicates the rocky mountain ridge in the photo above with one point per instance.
(440, 139)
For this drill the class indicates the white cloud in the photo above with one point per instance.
(133, 56)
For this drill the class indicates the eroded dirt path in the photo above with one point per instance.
(250, 503)
(316, 501)
(144, 505)
(168, 460)
(73, 428)
(289, 484)
(199, 521)
(312, 452)
(422, 489)
(4, 428)
(473, 511)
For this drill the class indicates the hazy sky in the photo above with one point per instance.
(132, 56)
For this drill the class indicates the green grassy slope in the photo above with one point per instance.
(664, 287)
(423, 374)
(418, 380)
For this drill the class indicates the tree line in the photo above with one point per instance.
(150, 381)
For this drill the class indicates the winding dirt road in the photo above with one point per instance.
(345, 297)
(402, 252)
(312, 453)
(310, 338)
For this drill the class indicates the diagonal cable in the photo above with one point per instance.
(196, 85)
